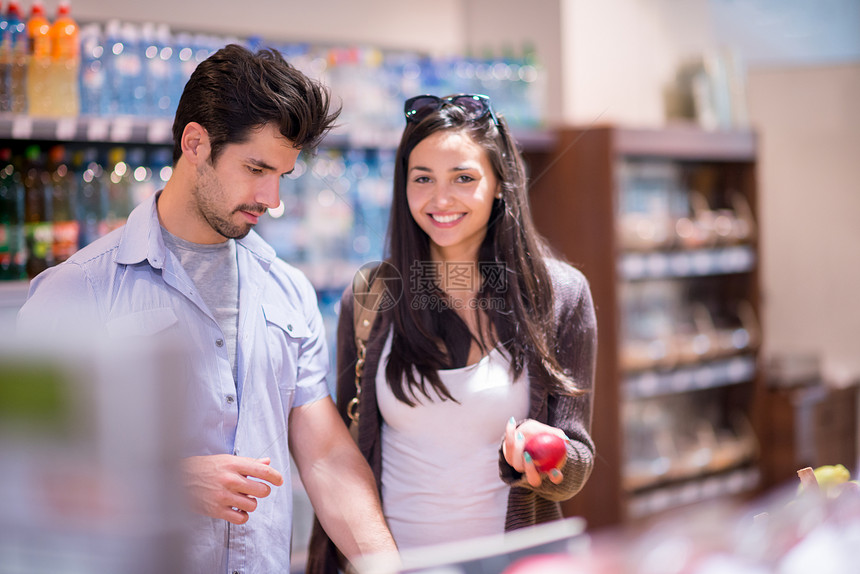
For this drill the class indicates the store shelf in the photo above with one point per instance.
(695, 263)
(686, 143)
(732, 483)
(121, 130)
(158, 131)
(678, 336)
(697, 377)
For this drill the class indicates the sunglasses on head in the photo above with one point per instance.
(475, 106)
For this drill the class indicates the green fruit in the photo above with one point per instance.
(831, 475)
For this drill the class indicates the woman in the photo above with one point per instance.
(490, 342)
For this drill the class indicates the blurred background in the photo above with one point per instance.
(696, 159)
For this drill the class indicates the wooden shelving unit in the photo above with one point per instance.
(579, 204)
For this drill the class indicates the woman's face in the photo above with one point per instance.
(450, 188)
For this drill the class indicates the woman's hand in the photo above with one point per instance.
(515, 455)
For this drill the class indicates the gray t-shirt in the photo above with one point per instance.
(214, 269)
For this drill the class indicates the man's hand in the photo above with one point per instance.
(221, 485)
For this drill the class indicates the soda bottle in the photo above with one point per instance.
(38, 231)
(92, 196)
(13, 250)
(65, 63)
(7, 209)
(66, 228)
(119, 188)
(39, 61)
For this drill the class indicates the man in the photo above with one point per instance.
(188, 261)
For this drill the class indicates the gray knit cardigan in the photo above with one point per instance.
(576, 349)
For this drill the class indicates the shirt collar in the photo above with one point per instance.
(141, 238)
(142, 241)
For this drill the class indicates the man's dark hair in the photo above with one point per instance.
(236, 91)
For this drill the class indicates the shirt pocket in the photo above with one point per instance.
(286, 332)
(142, 323)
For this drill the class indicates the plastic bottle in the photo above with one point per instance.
(141, 185)
(37, 213)
(158, 57)
(127, 84)
(94, 82)
(119, 198)
(161, 163)
(13, 62)
(66, 228)
(133, 98)
(39, 62)
(92, 196)
(185, 65)
(65, 63)
(12, 250)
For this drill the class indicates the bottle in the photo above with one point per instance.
(13, 62)
(5, 101)
(125, 69)
(160, 73)
(8, 206)
(161, 164)
(141, 185)
(92, 196)
(94, 82)
(66, 229)
(38, 61)
(37, 213)
(113, 49)
(12, 246)
(119, 200)
(65, 63)
(134, 96)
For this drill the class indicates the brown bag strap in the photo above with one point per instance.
(366, 307)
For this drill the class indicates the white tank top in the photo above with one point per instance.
(440, 459)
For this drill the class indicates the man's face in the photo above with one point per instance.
(231, 195)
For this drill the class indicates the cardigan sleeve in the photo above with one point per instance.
(576, 350)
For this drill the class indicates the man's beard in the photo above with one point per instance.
(208, 194)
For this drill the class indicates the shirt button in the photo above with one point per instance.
(219, 342)
(289, 327)
(230, 399)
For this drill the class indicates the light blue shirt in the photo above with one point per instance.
(135, 286)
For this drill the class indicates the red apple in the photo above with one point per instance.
(547, 451)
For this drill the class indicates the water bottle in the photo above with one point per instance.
(92, 196)
(160, 62)
(125, 78)
(93, 81)
(130, 66)
(13, 62)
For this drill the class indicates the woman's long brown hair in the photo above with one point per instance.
(516, 294)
